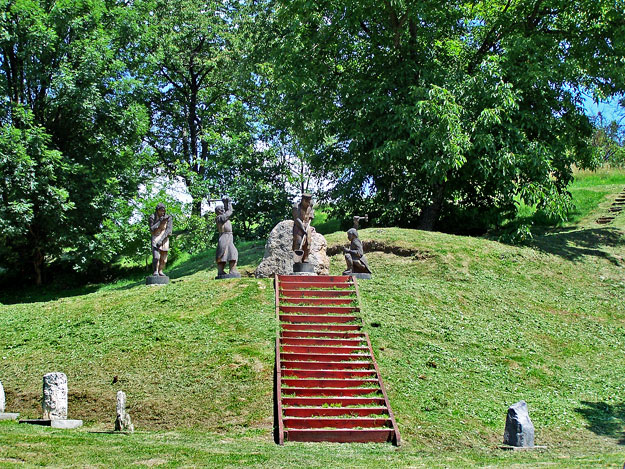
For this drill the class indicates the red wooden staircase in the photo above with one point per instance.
(328, 385)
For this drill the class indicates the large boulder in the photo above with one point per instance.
(279, 254)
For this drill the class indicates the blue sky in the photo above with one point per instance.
(610, 109)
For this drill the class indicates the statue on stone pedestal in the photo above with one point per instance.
(303, 215)
(355, 255)
(226, 252)
(160, 227)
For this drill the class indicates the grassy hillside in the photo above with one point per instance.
(461, 327)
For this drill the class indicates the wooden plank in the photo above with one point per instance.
(313, 293)
(322, 349)
(325, 365)
(319, 341)
(319, 309)
(333, 401)
(317, 301)
(320, 334)
(322, 327)
(336, 357)
(315, 278)
(278, 369)
(333, 411)
(301, 318)
(361, 422)
(334, 392)
(372, 435)
(328, 374)
(313, 382)
(318, 285)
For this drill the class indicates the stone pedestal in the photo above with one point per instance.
(361, 275)
(303, 267)
(66, 424)
(230, 275)
(156, 280)
(9, 416)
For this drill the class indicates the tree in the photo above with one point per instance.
(71, 129)
(421, 110)
(200, 123)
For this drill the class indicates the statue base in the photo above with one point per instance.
(56, 423)
(9, 416)
(303, 267)
(230, 275)
(361, 275)
(156, 280)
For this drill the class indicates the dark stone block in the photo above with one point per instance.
(156, 280)
(230, 275)
(303, 267)
(519, 430)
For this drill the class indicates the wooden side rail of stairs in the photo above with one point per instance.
(328, 385)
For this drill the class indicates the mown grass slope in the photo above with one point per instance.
(461, 327)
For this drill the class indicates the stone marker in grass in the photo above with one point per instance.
(3, 414)
(123, 422)
(519, 430)
(54, 403)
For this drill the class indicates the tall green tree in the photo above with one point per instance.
(200, 123)
(71, 129)
(422, 109)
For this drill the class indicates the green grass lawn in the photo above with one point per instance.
(467, 327)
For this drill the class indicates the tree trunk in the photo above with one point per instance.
(196, 207)
(38, 266)
(431, 212)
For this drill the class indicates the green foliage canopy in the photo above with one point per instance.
(420, 110)
(70, 130)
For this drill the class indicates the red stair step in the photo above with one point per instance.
(362, 422)
(319, 334)
(318, 341)
(315, 293)
(331, 392)
(340, 435)
(318, 357)
(333, 411)
(328, 383)
(322, 349)
(284, 279)
(301, 318)
(328, 374)
(343, 401)
(325, 365)
(319, 309)
(317, 285)
(318, 301)
(321, 327)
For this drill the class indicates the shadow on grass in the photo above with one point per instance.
(43, 294)
(573, 244)
(605, 419)
(250, 254)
